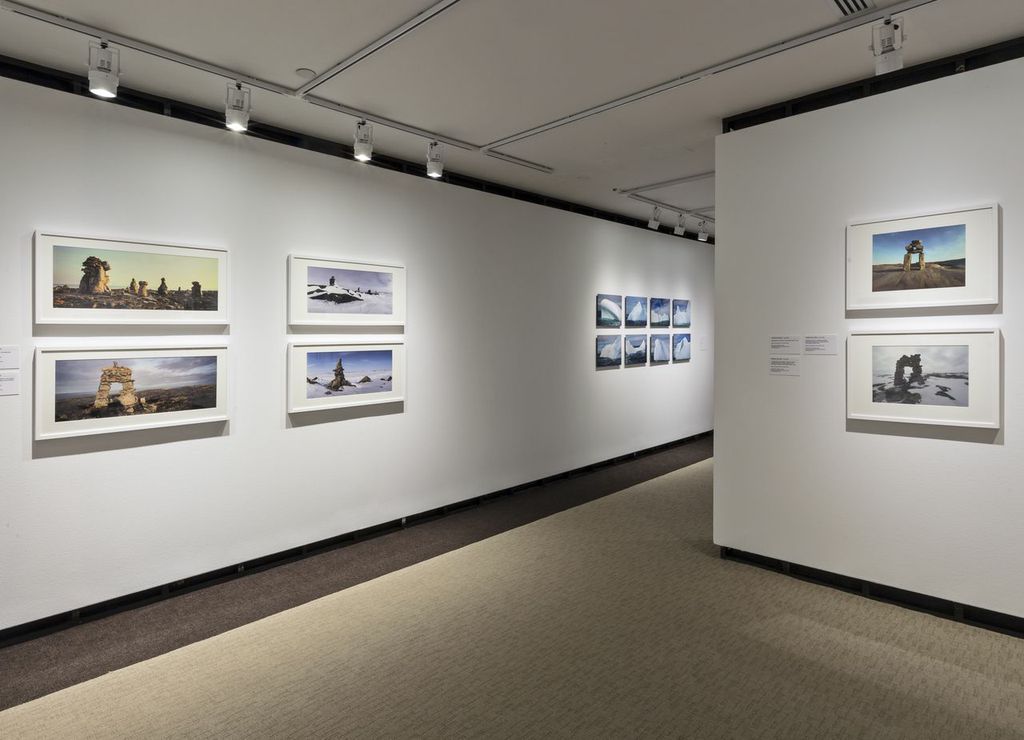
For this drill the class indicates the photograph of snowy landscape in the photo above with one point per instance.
(933, 376)
(349, 372)
(636, 349)
(680, 313)
(609, 351)
(330, 290)
(661, 309)
(680, 348)
(636, 311)
(609, 311)
(659, 347)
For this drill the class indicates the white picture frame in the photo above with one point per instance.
(964, 392)
(54, 384)
(962, 268)
(62, 298)
(376, 390)
(362, 306)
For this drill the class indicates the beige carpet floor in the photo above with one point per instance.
(613, 619)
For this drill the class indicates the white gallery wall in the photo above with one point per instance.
(501, 384)
(929, 509)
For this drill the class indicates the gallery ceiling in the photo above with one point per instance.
(483, 71)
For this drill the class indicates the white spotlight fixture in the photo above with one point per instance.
(363, 145)
(104, 69)
(887, 45)
(680, 228)
(702, 231)
(654, 222)
(435, 159)
(237, 107)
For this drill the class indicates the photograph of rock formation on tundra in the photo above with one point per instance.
(920, 258)
(101, 388)
(931, 376)
(332, 290)
(108, 278)
(349, 372)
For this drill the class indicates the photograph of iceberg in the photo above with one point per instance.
(636, 311)
(332, 290)
(609, 351)
(636, 349)
(659, 348)
(931, 376)
(661, 309)
(680, 313)
(680, 348)
(348, 372)
(609, 311)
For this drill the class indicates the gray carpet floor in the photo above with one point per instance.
(612, 619)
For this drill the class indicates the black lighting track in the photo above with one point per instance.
(55, 79)
(986, 56)
(64, 620)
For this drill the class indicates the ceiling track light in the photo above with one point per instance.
(104, 69)
(702, 231)
(435, 159)
(237, 107)
(363, 143)
(680, 229)
(887, 45)
(654, 222)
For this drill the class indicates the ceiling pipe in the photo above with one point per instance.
(666, 183)
(857, 21)
(388, 38)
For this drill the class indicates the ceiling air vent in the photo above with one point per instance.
(852, 7)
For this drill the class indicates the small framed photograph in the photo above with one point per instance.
(635, 349)
(331, 292)
(609, 351)
(929, 260)
(680, 313)
(681, 348)
(96, 391)
(609, 311)
(636, 312)
(661, 313)
(945, 378)
(343, 374)
(660, 348)
(86, 280)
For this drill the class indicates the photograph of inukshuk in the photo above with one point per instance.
(935, 376)
(122, 280)
(123, 376)
(373, 367)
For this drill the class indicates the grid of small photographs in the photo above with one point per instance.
(667, 343)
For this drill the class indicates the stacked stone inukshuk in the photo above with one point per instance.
(915, 247)
(144, 289)
(339, 378)
(162, 290)
(133, 287)
(117, 374)
(94, 278)
(916, 373)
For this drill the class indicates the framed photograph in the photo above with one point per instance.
(681, 348)
(659, 347)
(609, 311)
(661, 313)
(342, 374)
(929, 260)
(96, 391)
(635, 348)
(950, 378)
(609, 351)
(85, 280)
(636, 312)
(340, 293)
(680, 313)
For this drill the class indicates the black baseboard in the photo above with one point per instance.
(64, 620)
(965, 613)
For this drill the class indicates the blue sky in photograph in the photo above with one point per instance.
(83, 376)
(352, 279)
(357, 363)
(940, 243)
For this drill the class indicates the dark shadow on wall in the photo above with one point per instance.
(128, 439)
(327, 416)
